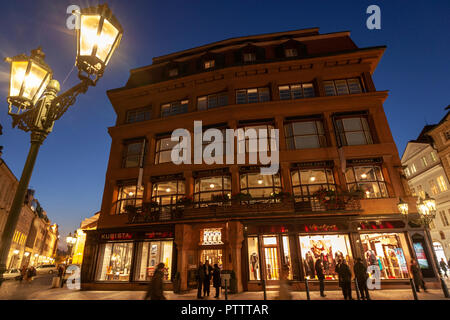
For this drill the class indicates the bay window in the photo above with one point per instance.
(129, 194)
(369, 179)
(207, 188)
(305, 182)
(164, 148)
(260, 187)
(167, 194)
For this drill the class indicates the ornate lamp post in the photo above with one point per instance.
(33, 101)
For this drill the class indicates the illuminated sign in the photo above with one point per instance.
(117, 236)
(159, 234)
(212, 236)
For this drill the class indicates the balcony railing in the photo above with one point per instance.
(243, 208)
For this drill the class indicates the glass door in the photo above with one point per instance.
(271, 258)
(213, 256)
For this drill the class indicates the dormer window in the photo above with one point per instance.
(209, 64)
(249, 57)
(291, 52)
(173, 72)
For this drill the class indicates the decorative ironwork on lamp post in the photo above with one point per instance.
(34, 103)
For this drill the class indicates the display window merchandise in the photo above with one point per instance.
(115, 261)
(389, 252)
(253, 258)
(331, 248)
(271, 258)
(150, 254)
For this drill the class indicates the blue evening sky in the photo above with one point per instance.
(71, 166)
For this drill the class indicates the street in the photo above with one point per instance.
(40, 289)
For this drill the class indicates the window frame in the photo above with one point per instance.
(158, 151)
(246, 189)
(197, 195)
(308, 196)
(358, 181)
(138, 196)
(347, 86)
(173, 106)
(291, 141)
(341, 133)
(259, 94)
(207, 98)
(126, 155)
(146, 111)
(292, 96)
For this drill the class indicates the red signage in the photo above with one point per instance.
(158, 234)
(117, 236)
(320, 227)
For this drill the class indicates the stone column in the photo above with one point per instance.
(235, 238)
(183, 237)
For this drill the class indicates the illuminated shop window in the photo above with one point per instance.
(287, 258)
(207, 189)
(150, 254)
(305, 135)
(331, 248)
(261, 187)
(271, 258)
(115, 262)
(388, 251)
(368, 179)
(253, 259)
(128, 194)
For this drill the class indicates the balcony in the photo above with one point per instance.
(244, 207)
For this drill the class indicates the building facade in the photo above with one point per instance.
(334, 196)
(8, 185)
(425, 174)
(78, 249)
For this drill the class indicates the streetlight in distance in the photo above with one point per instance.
(34, 103)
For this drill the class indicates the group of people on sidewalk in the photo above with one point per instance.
(204, 274)
(27, 273)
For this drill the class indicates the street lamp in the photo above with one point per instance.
(403, 207)
(33, 101)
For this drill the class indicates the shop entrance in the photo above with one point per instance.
(271, 259)
(213, 256)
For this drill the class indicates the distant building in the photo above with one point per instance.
(78, 249)
(426, 174)
(8, 185)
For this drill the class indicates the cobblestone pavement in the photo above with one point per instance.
(40, 289)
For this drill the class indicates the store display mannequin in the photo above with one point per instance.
(255, 264)
(309, 265)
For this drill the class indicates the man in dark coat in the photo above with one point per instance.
(155, 291)
(443, 266)
(319, 272)
(207, 281)
(200, 279)
(361, 276)
(417, 275)
(345, 279)
(217, 282)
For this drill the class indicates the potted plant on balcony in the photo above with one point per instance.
(221, 198)
(241, 197)
(281, 195)
(185, 201)
(328, 198)
(131, 211)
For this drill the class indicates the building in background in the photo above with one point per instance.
(78, 249)
(425, 173)
(8, 185)
(338, 161)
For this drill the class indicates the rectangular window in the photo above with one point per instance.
(292, 52)
(368, 179)
(424, 161)
(137, 115)
(129, 194)
(413, 168)
(407, 173)
(433, 156)
(173, 108)
(134, 151)
(253, 143)
(212, 101)
(353, 131)
(249, 57)
(296, 91)
(252, 95)
(442, 184)
(163, 150)
(114, 262)
(150, 254)
(253, 259)
(444, 218)
(260, 187)
(305, 135)
(433, 187)
(209, 64)
(342, 87)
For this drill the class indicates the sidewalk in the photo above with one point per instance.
(66, 294)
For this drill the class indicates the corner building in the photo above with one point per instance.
(334, 141)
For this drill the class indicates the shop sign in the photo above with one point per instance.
(116, 236)
(374, 225)
(320, 227)
(364, 161)
(212, 236)
(314, 164)
(158, 234)
(273, 229)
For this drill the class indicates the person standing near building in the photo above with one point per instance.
(207, 281)
(361, 276)
(443, 266)
(200, 279)
(23, 273)
(61, 272)
(345, 279)
(156, 290)
(417, 275)
(320, 275)
(217, 281)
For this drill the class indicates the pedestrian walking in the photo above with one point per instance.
(31, 273)
(443, 266)
(345, 279)
(200, 279)
(217, 281)
(61, 273)
(285, 292)
(361, 276)
(207, 281)
(155, 290)
(417, 276)
(320, 275)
